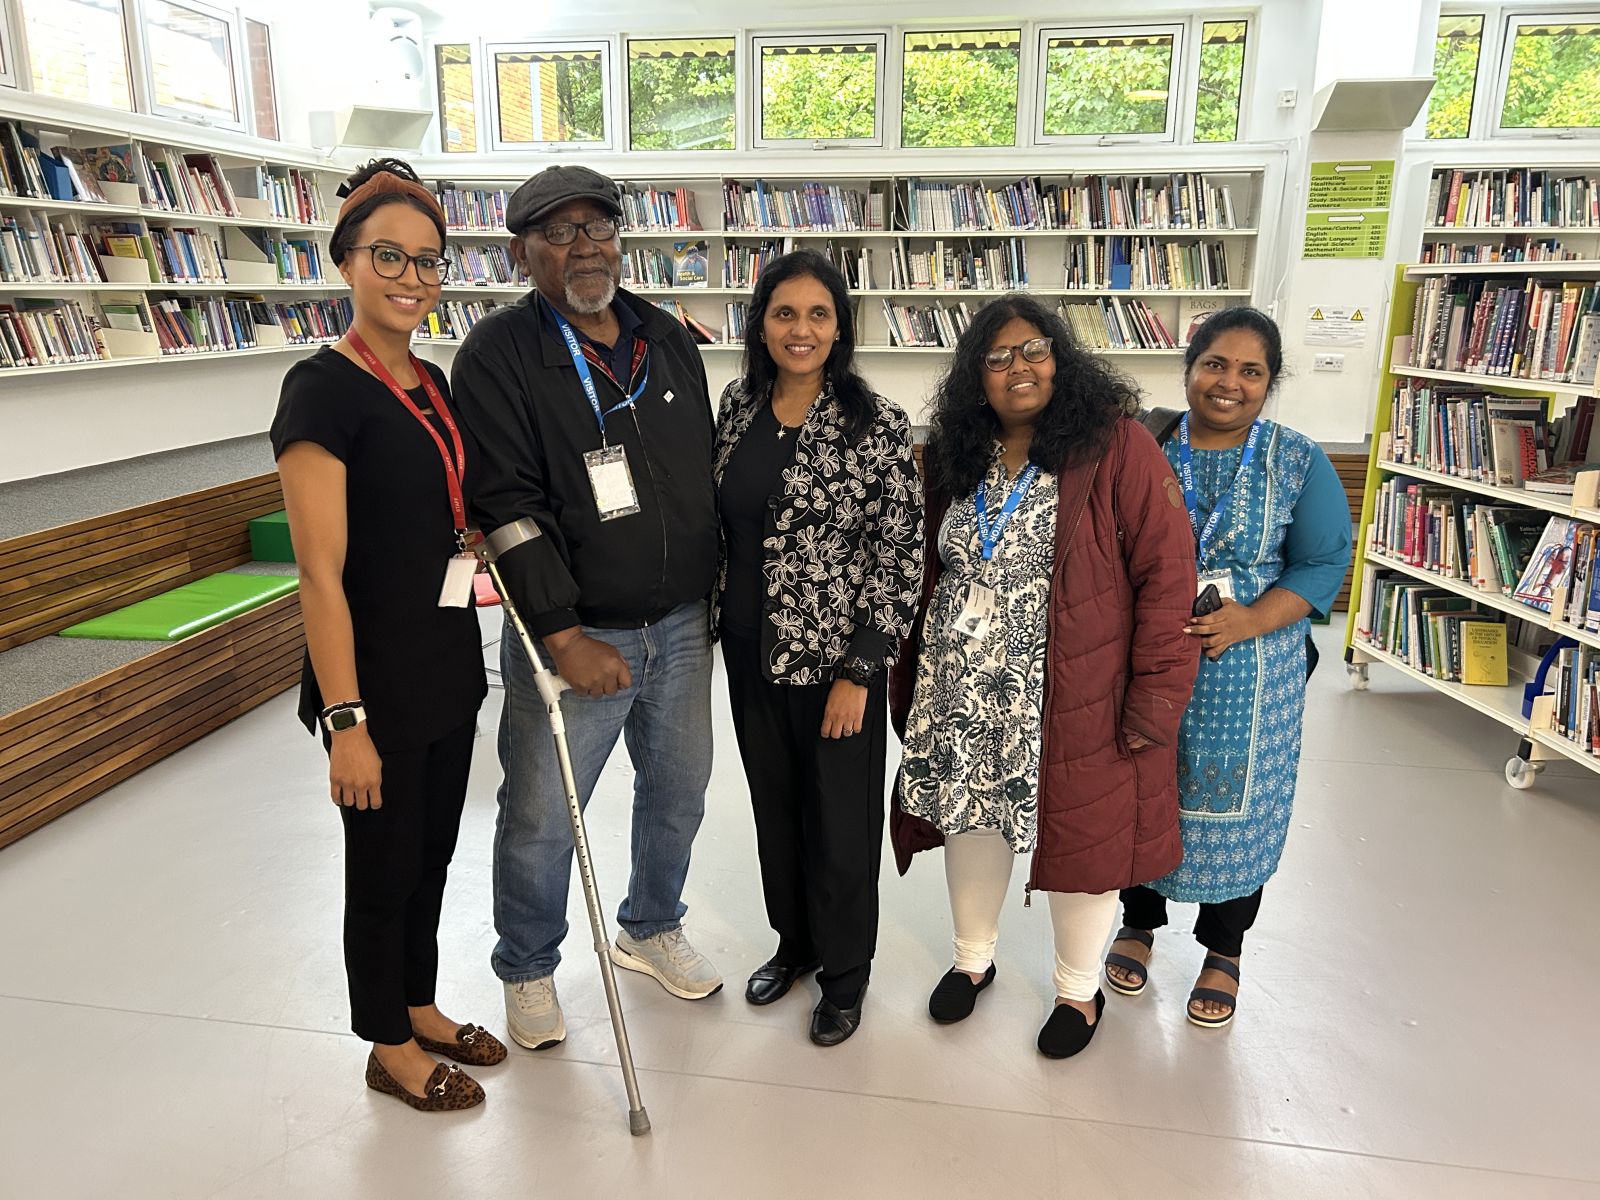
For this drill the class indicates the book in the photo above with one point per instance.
(690, 266)
(1483, 653)
(1549, 566)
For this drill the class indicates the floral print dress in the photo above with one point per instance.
(971, 747)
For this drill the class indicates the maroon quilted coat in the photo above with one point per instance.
(1118, 658)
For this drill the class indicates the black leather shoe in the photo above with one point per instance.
(1068, 1031)
(772, 981)
(955, 995)
(831, 1025)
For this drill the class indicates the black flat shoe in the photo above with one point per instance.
(955, 996)
(772, 981)
(1068, 1031)
(831, 1025)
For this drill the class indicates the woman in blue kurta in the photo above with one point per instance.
(1272, 528)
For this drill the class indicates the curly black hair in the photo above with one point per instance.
(1087, 398)
(1251, 320)
(348, 226)
(854, 397)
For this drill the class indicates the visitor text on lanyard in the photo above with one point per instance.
(587, 378)
(989, 535)
(1191, 498)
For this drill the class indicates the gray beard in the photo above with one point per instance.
(599, 304)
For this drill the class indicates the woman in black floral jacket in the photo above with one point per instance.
(821, 571)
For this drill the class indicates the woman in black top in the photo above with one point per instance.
(372, 465)
(822, 566)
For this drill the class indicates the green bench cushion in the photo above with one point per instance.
(186, 610)
(269, 538)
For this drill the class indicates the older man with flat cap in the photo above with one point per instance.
(591, 409)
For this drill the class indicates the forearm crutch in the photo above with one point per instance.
(550, 687)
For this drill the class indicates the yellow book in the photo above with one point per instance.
(1483, 653)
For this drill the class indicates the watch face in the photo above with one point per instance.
(343, 719)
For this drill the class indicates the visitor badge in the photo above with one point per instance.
(1223, 580)
(977, 612)
(458, 572)
(611, 481)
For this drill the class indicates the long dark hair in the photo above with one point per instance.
(348, 226)
(1251, 320)
(1086, 399)
(850, 392)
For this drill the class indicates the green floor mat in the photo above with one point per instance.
(269, 538)
(186, 610)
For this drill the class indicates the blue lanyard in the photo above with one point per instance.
(580, 362)
(1191, 498)
(988, 534)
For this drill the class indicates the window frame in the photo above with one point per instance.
(132, 55)
(625, 93)
(272, 73)
(1191, 77)
(136, 11)
(1180, 107)
(1509, 20)
(10, 50)
(757, 41)
(490, 79)
(1488, 42)
(1020, 131)
(475, 64)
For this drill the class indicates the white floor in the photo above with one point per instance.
(1418, 1016)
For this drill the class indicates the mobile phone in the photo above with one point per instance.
(1208, 601)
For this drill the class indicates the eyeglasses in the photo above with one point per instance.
(390, 262)
(1033, 350)
(564, 233)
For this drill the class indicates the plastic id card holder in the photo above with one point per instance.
(612, 482)
(1223, 580)
(458, 572)
(977, 612)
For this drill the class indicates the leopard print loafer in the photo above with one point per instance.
(449, 1089)
(474, 1045)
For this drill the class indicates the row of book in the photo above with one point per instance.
(735, 314)
(483, 263)
(454, 319)
(34, 249)
(702, 333)
(1574, 685)
(1184, 200)
(1445, 636)
(293, 196)
(807, 206)
(1536, 250)
(1519, 197)
(298, 260)
(1146, 264)
(949, 268)
(39, 332)
(926, 325)
(481, 210)
(1463, 431)
(648, 208)
(1112, 323)
(1519, 329)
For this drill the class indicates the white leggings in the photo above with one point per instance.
(977, 866)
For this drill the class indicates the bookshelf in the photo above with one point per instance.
(1427, 478)
(121, 250)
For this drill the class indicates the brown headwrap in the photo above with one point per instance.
(387, 182)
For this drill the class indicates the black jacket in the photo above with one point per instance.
(517, 391)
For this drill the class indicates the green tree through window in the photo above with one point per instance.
(680, 94)
(811, 92)
(1554, 79)
(1216, 113)
(960, 89)
(1107, 84)
(1455, 69)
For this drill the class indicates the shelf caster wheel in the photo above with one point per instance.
(1358, 676)
(1520, 773)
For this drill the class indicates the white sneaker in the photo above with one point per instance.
(671, 960)
(533, 1014)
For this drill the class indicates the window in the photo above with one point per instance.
(192, 53)
(1455, 67)
(78, 49)
(680, 94)
(1552, 75)
(819, 89)
(960, 88)
(263, 92)
(1109, 82)
(1216, 109)
(8, 68)
(550, 94)
(458, 103)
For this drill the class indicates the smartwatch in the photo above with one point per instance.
(859, 671)
(337, 718)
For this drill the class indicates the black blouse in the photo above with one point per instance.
(754, 476)
(419, 666)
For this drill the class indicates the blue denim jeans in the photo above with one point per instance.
(665, 720)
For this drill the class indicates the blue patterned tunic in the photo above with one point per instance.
(1287, 526)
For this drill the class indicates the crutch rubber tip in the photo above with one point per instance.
(639, 1122)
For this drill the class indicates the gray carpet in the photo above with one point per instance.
(51, 665)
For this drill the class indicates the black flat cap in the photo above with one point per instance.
(555, 186)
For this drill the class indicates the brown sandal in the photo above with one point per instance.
(449, 1089)
(473, 1045)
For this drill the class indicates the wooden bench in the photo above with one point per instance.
(60, 750)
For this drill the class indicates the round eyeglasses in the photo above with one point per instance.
(1033, 350)
(564, 233)
(390, 262)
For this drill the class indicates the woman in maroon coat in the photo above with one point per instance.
(1039, 695)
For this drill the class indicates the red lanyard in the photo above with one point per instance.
(455, 469)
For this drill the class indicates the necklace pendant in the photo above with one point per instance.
(781, 432)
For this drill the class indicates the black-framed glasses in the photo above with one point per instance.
(1033, 350)
(390, 262)
(564, 233)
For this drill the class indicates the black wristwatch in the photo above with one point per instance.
(337, 718)
(859, 671)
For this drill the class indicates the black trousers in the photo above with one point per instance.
(1220, 928)
(818, 805)
(395, 860)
